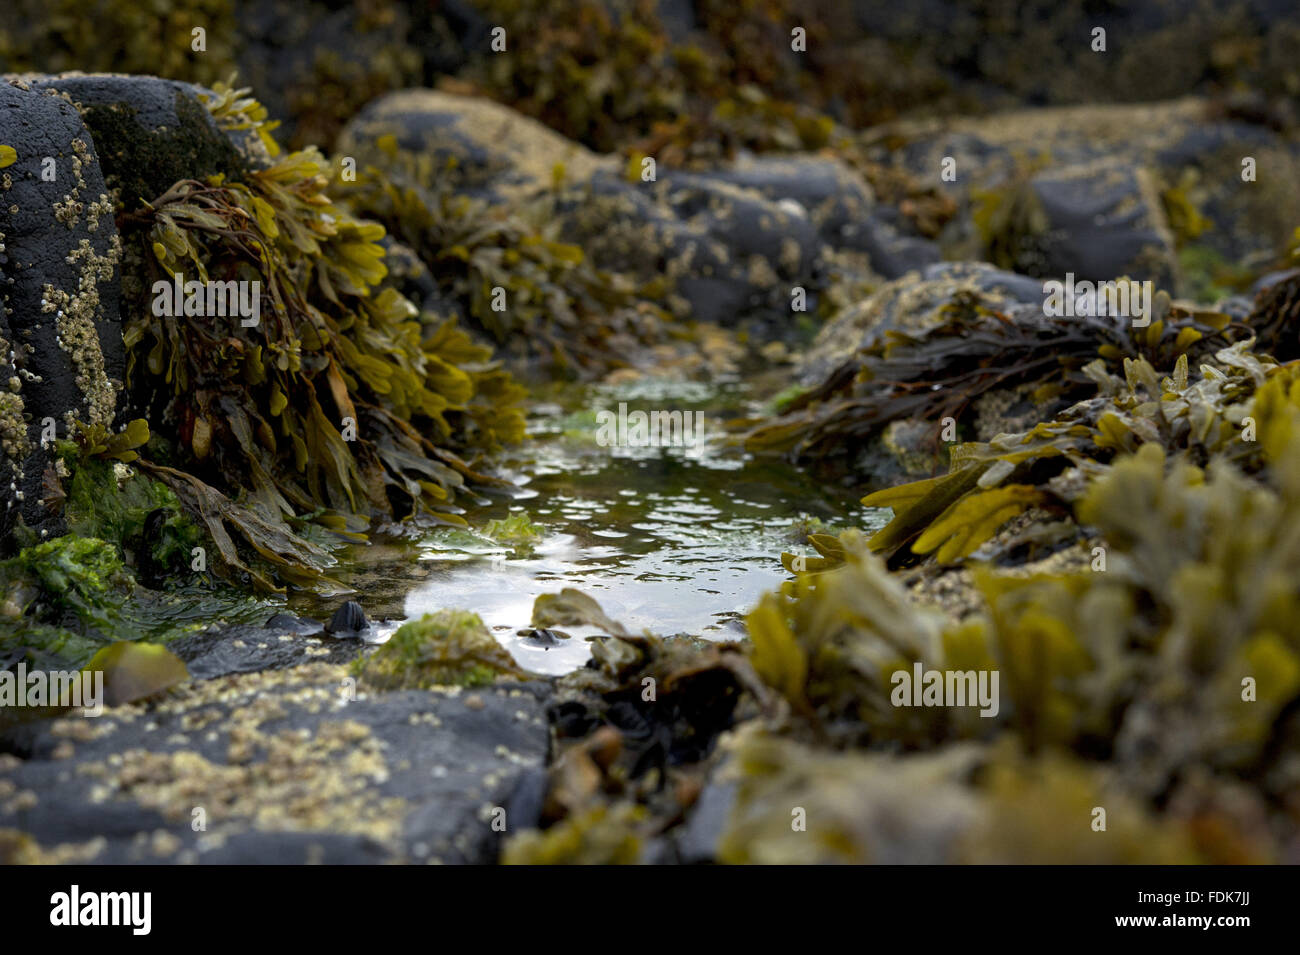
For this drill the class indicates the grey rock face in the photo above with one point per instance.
(728, 253)
(61, 358)
(224, 651)
(280, 767)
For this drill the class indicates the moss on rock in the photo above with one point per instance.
(447, 648)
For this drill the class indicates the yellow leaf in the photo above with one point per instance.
(8, 156)
(776, 655)
(136, 670)
(969, 522)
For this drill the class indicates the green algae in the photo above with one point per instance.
(517, 531)
(447, 648)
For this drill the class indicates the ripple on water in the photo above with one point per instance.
(670, 540)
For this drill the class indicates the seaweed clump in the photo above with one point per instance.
(338, 406)
(536, 298)
(971, 347)
(1156, 675)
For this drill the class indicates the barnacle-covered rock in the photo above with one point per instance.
(62, 355)
(287, 766)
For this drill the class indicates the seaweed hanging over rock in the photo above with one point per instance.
(537, 298)
(336, 404)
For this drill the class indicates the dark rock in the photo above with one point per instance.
(697, 840)
(315, 64)
(840, 204)
(829, 192)
(892, 252)
(242, 649)
(730, 255)
(61, 354)
(285, 769)
(543, 638)
(348, 621)
(291, 623)
(151, 133)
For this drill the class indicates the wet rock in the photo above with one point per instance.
(348, 621)
(544, 638)
(728, 254)
(1135, 166)
(285, 768)
(61, 355)
(221, 651)
(150, 132)
(291, 623)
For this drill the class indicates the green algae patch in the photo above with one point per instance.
(515, 531)
(63, 600)
(447, 648)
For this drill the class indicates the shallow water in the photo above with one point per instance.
(675, 540)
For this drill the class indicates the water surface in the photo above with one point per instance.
(675, 540)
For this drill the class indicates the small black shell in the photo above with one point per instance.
(348, 621)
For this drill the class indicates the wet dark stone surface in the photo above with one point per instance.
(285, 770)
(243, 649)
